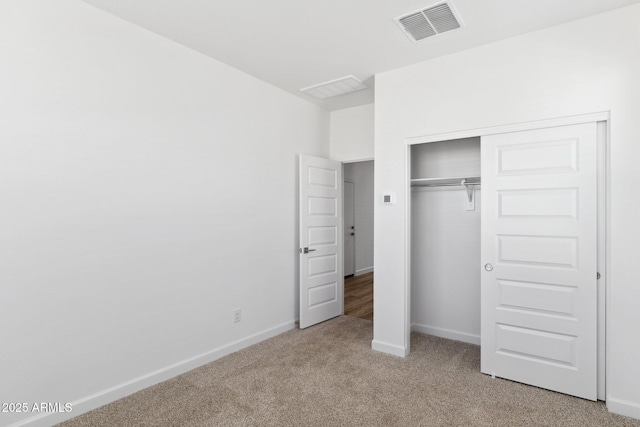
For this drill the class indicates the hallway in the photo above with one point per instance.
(358, 296)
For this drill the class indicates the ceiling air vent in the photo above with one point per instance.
(428, 22)
(335, 87)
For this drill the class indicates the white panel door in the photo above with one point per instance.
(349, 229)
(539, 255)
(321, 277)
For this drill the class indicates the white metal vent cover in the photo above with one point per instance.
(335, 87)
(435, 19)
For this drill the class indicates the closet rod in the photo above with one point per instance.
(448, 185)
(463, 182)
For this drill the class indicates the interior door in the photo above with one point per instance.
(539, 255)
(321, 277)
(349, 229)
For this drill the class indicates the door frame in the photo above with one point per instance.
(602, 120)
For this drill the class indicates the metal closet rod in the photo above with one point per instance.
(452, 184)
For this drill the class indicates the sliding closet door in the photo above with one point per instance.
(539, 258)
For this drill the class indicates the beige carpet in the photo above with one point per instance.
(327, 375)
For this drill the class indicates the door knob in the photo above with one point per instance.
(488, 267)
(307, 250)
(353, 234)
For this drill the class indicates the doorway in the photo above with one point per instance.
(358, 202)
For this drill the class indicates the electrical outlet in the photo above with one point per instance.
(237, 315)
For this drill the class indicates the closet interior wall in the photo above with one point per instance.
(445, 242)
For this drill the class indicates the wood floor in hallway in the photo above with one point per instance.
(358, 296)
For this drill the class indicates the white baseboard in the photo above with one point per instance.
(623, 407)
(446, 333)
(395, 350)
(101, 398)
(364, 271)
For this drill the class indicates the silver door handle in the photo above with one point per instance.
(488, 267)
(307, 250)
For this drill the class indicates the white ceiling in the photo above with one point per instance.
(294, 44)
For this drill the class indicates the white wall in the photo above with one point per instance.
(352, 133)
(361, 174)
(445, 242)
(147, 191)
(561, 71)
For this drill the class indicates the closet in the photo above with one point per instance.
(445, 239)
(506, 243)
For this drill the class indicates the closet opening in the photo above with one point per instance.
(507, 242)
(445, 239)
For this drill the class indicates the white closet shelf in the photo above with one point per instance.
(445, 182)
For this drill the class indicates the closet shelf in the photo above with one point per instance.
(445, 182)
